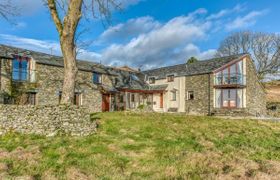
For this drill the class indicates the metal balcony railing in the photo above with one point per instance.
(230, 79)
(22, 75)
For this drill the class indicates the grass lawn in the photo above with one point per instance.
(149, 146)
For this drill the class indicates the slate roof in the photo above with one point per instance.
(124, 79)
(200, 67)
(129, 80)
(43, 58)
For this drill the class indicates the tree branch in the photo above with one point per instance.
(55, 16)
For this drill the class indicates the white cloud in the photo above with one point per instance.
(162, 45)
(245, 21)
(224, 12)
(32, 44)
(149, 43)
(129, 29)
(45, 46)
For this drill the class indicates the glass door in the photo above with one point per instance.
(229, 98)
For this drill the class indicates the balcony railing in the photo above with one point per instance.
(21, 75)
(230, 79)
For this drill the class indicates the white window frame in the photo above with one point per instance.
(188, 95)
(173, 95)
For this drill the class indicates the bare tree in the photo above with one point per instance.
(8, 10)
(66, 15)
(264, 49)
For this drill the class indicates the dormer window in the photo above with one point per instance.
(97, 78)
(170, 78)
(152, 80)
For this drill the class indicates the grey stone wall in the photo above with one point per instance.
(202, 99)
(46, 120)
(50, 81)
(256, 97)
(5, 74)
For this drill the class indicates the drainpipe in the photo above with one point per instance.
(209, 94)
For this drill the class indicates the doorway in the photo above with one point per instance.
(105, 102)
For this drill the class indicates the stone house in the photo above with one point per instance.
(219, 86)
(33, 78)
(216, 86)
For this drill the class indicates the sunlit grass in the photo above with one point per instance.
(150, 146)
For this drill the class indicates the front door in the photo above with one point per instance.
(105, 102)
(161, 100)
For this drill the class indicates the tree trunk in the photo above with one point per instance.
(67, 31)
(70, 72)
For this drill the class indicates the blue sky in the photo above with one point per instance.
(147, 33)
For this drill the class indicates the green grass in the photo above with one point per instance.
(150, 146)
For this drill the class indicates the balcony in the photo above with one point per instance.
(24, 76)
(230, 80)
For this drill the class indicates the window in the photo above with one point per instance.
(97, 78)
(20, 69)
(152, 80)
(78, 99)
(173, 95)
(232, 74)
(229, 98)
(190, 95)
(31, 98)
(59, 96)
(170, 78)
(132, 97)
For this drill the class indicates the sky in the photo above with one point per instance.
(145, 33)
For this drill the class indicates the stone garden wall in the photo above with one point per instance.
(49, 120)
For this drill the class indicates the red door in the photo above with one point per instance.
(161, 100)
(105, 102)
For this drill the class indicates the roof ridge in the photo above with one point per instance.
(54, 56)
(200, 61)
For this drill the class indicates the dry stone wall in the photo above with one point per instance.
(49, 120)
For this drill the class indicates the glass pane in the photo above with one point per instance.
(218, 98)
(20, 70)
(218, 79)
(225, 76)
(225, 98)
(15, 70)
(232, 98)
(240, 67)
(24, 66)
(233, 69)
(96, 78)
(239, 98)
